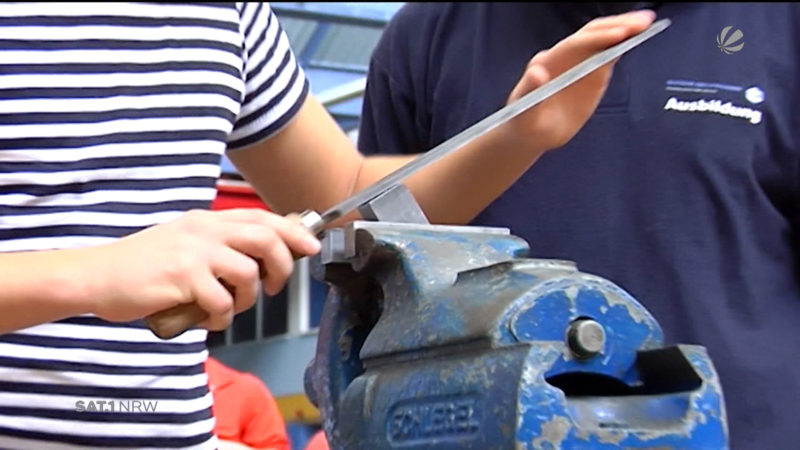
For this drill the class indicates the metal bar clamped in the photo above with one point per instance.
(441, 337)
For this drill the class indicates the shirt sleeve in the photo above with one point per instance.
(275, 85)
(391, 113)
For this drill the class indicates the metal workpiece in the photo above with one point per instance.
(311, 220)
(397, 204)
(447, 337)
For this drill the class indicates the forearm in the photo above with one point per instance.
(459, 186)
(43, 286)
(204, 257)
(292, 177)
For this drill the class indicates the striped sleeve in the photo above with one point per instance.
(275, 84)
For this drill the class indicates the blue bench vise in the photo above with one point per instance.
(446, 337)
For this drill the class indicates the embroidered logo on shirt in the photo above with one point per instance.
(754, 95)
(714, 106)
(713, 99)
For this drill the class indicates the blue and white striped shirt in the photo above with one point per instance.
(114, 117)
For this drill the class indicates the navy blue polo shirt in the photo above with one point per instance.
(682, 188)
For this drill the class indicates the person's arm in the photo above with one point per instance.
(38, 287)
(155, 269)
(311, 163)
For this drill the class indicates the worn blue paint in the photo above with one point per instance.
(448, 338)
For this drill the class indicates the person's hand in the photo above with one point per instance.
(556, 120)
(214, 258)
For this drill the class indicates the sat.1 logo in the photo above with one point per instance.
(730, 43)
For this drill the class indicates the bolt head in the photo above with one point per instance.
(586, 338)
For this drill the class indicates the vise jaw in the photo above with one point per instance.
(443, 337)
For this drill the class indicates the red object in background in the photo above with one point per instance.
(236, 194)
(244, 408)
(318, 442)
